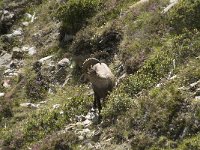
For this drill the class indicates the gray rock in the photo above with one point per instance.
(6, 15)
(25, 48)
(68, 37)
(87, 123)
(43, 102)
(32, 51)
(43, 60)
(195, 85)
(64, 62)
(197, 93)
(17, 53)
(25, 23)
(14, 64)
(85, 133)
(8, 71)
(172, 3)
(17, 32)
(60, 75)
(5, 59)
(29, 16)
(56, 106)
(6, 83)
(30, 105)
(81, 138)
(79, 125)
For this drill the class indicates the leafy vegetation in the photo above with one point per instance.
(185, 15)
(82, 9)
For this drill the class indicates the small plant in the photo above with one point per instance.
(75, 13)
(117, 104)
(36, 87)
(185, 15)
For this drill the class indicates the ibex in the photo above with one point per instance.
(101, 77)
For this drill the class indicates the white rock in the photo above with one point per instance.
(172, 3)
(5, 12)
(29, 16)
(6, 84)
(33, 17)
(42, 60)
(173, 77)
(194, 84)
(16, 49)
(43, 102)
(64, 62)
(80, 118)
(17, 32)
(32, 51)
(9, 35)
(4, 59)
(56, 106)
(159, 85)
(2, 94)
(79, 124)
(87, 122)
(197, 97)
(80, 137)
(25, 48)
(61, 112)
(10, 73)
(83, 132)
(90, 115)
(29, 105)
(183, 88)
(25, 24)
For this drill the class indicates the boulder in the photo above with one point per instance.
(6, 20)
(17, 53)
(65, 62)
(61, 71)
(5, 58)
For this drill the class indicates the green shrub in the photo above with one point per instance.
(154, 68)
(185, 46)
(185, 15)
(75, 13)
(192, 143)
(62, 141)
(42, 123)
(116, 105)
(74, 100)
(5, 109)
(36, 88)
(189, 74)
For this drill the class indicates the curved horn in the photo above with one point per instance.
(89, 62)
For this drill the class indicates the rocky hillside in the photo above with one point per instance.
(152, 48)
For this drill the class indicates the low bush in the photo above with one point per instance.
(154, 68)
(75, 13)
(36, 87)
(186, 14)
(163, 112)
(117, 104)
